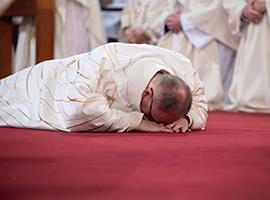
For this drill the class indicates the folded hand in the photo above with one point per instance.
(136, 35)
(254, 11)
(150, 126)
(173, 22)
(181, 125)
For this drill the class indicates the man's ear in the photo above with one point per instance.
(147, 91)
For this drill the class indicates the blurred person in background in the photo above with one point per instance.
(250, 90)
(142, 21)
(199, 30)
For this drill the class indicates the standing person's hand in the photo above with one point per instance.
(173, 22)
(136, 35)
(139, 37)
(130, 34)
(251, 14)
(259, 5)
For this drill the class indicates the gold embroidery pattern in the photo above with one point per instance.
(24, 114)
(82, 100)
(94, 61)
(108, 128)
(27, 82)
(49, 91)
(80, 74)
(71, 62)
(4, 121)
(48, 123)
(88, 121)
(106, 51)
(112, 98)
(14, 118)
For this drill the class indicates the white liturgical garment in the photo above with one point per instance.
(95, 92)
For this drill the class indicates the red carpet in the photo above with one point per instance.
(230, 160)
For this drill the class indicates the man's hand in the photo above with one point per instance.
(129, 32)
(181, 125)
(250, 12)
(259, 5)
(173, 22)
(150, 126)
(136, 36)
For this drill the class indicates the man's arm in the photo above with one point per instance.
(199, 107)
(82, 109)
(150, 126)
(99, 117)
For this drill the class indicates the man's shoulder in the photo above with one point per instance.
(141, 48)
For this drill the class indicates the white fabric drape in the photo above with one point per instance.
(97, 91)
(250, 90)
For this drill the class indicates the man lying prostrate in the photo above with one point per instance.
(114, 88)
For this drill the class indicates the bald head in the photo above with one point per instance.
(173, 97)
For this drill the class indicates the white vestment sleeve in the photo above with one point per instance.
(197, 37)
(92, 112)
(199, 107)
(85, 97)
